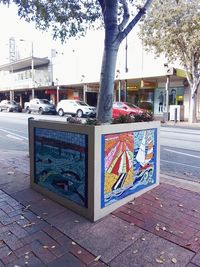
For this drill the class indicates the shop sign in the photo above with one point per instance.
(148, 84)
(180, 73)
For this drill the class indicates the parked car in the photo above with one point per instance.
(41, 106)
(10, 106)
(125, 108)
(75, 107)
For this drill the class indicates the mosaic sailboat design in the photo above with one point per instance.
(143, 159)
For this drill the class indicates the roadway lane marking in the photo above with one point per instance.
(182, 153)
(14, 137)
(183, 164)
(13, 134)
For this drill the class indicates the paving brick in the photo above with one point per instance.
(28, 260)
(17, 230)
(68, 260)
(196, 259)
(83, 255)
(4, 251)
(11, 240)
(146, 251)
(52, 231)
(42, 237)
(44, 254)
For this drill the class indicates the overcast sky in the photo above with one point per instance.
(76, 57)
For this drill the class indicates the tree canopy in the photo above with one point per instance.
(72, 18)
(173, 29)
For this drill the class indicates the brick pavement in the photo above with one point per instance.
(158, 228)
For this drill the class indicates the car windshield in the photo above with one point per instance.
(13, 102)
(45, 101)
(130, 105)
(81, 103)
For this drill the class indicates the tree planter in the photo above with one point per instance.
(93, 170)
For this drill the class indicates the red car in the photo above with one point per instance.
(125, 108)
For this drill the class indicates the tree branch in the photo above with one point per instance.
(101, 3)
(134, 21)
(126, 15)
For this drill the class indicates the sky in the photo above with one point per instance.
(75, 58)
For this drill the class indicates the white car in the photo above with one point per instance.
(75, 107)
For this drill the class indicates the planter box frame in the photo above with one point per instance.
(93, 210)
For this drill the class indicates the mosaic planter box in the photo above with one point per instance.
(93, 170)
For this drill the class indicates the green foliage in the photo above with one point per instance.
(146, 116)
(172, 28)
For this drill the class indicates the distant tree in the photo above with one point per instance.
(173, 29)
(73, 17)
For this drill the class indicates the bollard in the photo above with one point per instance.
(175, 115)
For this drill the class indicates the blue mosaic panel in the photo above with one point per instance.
(61, 163)
(128, 164)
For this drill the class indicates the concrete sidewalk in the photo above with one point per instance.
(162, 227)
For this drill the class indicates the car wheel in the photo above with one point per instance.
(40, 111)
(132, 115)
(8, 110)
(60, 112)
(79, 113)
(1, 109)
(28, 110)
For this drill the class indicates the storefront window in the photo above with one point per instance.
(176, 95)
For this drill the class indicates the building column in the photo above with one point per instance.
(11, 95)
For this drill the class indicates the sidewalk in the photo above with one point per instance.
(160, 228)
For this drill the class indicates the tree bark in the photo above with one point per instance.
(193, 107)
(106, 95)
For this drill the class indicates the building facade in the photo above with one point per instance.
(31, 77)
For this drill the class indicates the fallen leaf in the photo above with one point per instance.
(160, 260)
(45, 246)
(174, 260)
(135, 251)
(9, 253)
(180, 205)
(76, 221)
(28, 206)
(156, 198)
(79, 252)
(73, 243)
(1, 242)
(9, 173)
(161, 205)
(28, 224)
(157, 228)
(196, 239)
(133, 238)
(97, 258)
(26, 257)
(22, 217)
(143, 239)
(164, 228)
(53, 246)
(195, 210)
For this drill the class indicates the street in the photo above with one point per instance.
(180, 147)
(180, 152)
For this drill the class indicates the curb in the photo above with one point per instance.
(180, 182)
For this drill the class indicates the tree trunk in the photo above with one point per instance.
(105, 100)
(193, 105)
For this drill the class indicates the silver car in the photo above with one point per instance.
(10, 106)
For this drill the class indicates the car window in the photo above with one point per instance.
(45, 101)
(81, 103)
(130, 105)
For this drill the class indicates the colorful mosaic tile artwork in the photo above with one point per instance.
(61, 163)
(128, 164)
